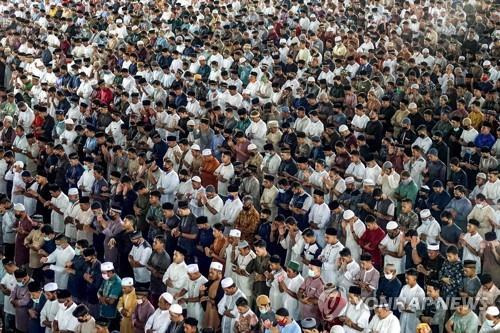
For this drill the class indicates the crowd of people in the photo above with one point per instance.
(250, 166)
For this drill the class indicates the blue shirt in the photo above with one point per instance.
(484, 140)
(293, 327)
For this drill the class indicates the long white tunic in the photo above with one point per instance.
(48, 313)
(177, 273)
(86, 182)
(58, 259)
(290, 303)
(228, 303)
(217, 204)
(231, 210)
(275, 295)
(320, 215)
(244, 282)
(431, 229)
(65, 319)
(56, 219)
(195, 310)
(329, 256)
(17, 184)
(228, 271)
(413, 298)
(388, 324)
(359, 314)
(158, 322)
(393, 246)
(257, 131)
(359, 229)
(168, 183)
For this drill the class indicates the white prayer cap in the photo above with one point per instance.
(227, 282)
(107, 266)
(486, 63)
(176, 309)
(330, 29)
(73, 191)
(140, 42)
(343, 128)
(127, 282)
(492, 311)
(392, 225)
(414, 86)
(119, 21)
(167, 297)
(242, 60)
(313, 15)
(69, 121)
(201, 58)
(9, 119)
(412, 105)
(282, 41)
(235, 233)
(216, 265)
(349, 180)
(425, 213)
(338, 38)
(192, 268)
(337, 329)
(19, 207)
(368, 182)
(134, 28)
(196, 179)
(206, 152)
(481, 175)
(51, 286)
(426, 50)
(270, 27)
(348, 214)
(272, 123)
(433, 247)
(195, 146)
(19, 164)
(191, 122)
(310, 79)
(251, 147)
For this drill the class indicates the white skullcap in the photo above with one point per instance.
(73, 191)
(227, 282)
(201, 58)
(195, 146)
(368, 182)
(19, 207)
(127, 282)
(119, 21)
(107, 266)
(348, 214)
(216, 265)
(414, 86)
(492, 311)
(270, 27)
(196, 179)
(338, 38)
(282, 41)
(425, 213)
(134, 27)
(343, 128)
(167, 297)
(313, 15)
(426, 50)
(51, 286)
(8, 118)
(349, 180)
(486, 63)
(310, 79)
(391, 225)
(175, 308)
(207, 152)
(251, 147)
(69, 121)
(192, 268)
(272, 123)
(235, 233)
(242, 60)
(412, 105)
(337, 329)
(433, 247)
(191, 122)
(19, 164)
(140, 42)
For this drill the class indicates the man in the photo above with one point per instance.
(176, 324)
(484, 213)
(463, 320)
(356, 314)
(65, 320)
(75, 269)
(191, 296)
(187, 231)
(310, 290)
(20, 299)
(175, 275)
(492, 322)
(290, 287)
(224, 174)
(227, 305)
(451, 273)
(286, 322)
(168, 182)
(109, 293)
(35, 307)
(126, 304)
(429, 229)
(242, 278)
(212, 204)
(231, 209)
(353, 226)
(70, 214)
(319, 216)
(86, 322)
(143, 310)
(260, 266)
(329, 256)
(410, 301)
(269, 194)
(384, 319)
(248, 219)
(160, 319)
(138, 259)
(389, 285)
(58, 204)
(471, 243)
(471, 283)
(58, 259)
(368, 276)
(434, 309)
(157, 264)
(370, 240)
(50, 308)
(246, 318)
(407, 218)
(34, 241)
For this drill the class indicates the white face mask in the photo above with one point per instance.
(281, 190)
(388, 276)
(490, 323)
(47, 239)
(311, 273)
(263, 310)
(77, 252)
(105, 276)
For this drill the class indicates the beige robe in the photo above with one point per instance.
(127, 302)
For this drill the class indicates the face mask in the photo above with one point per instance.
(19, 284)
(77, 252)
(490, 323)
(18, 216)
(230, 197)
(113, 182)
(85, 167)
(406, 181)
(82, 320)
(311, 273)
(263, 310)
(282, 322)
(35, 300)
(105, 276)
(281, 190)
(479, 205)
(140, 301)
(47, 239)
(388, 276)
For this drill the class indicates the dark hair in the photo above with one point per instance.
(242, 301)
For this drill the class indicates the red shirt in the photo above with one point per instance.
(370, 241)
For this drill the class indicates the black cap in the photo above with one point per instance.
(355, 290)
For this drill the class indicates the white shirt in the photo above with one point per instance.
(59, 258)
(431, 229)
(20, 142)
(177, 273)
(290, 303)
(217, 204)
(231, 210)
(356, 170)
(227, 172)
(315, 128)
(257, 131)
(86, 181)
(56, 219)
(168, 183)
(492, 190)
(158, 321)
(360, 122)
(141, 254)
(373, 173)
(424, 143)
(359, 314)
(348, 275)
(474, 241)
(393, 246)
(329, 256)
(48, 313)
(359, 229)
(271, 162)
(65, 319)
(10, 282)
(388, 324)
(70, 137)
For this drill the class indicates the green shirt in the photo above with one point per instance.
(465, 324)
(110, 288)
